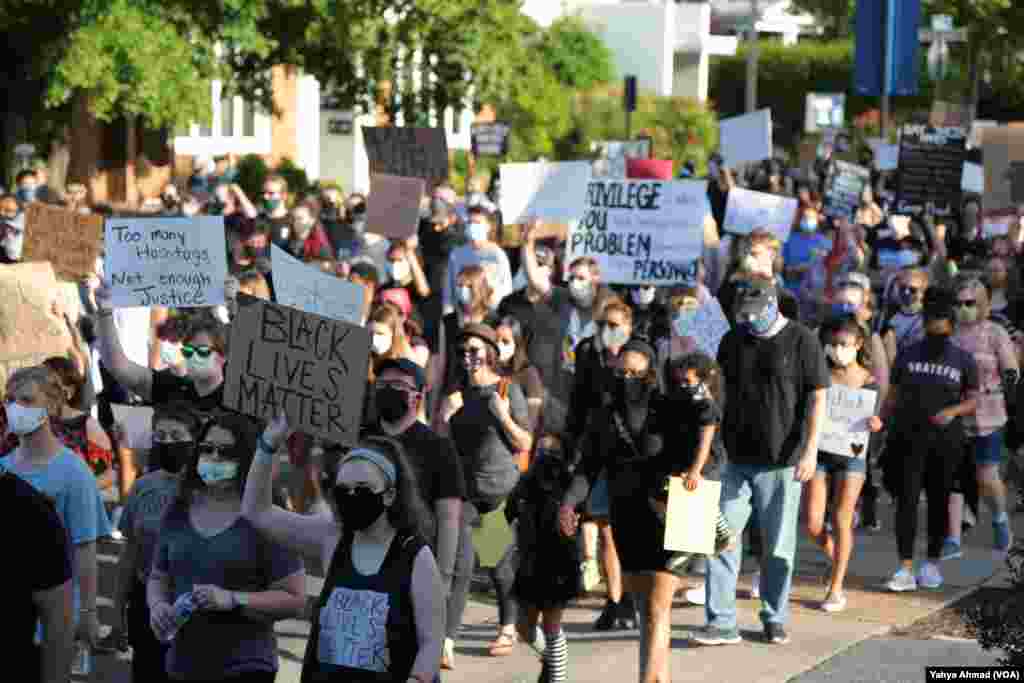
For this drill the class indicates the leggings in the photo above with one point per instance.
(504, 576)
(462, 577)
(926, 463)
(148, 654)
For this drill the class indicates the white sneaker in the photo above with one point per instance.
(698, 595)
(755, 586)
(929, 576)
(448, 654)
(903, 580)
(834, 602)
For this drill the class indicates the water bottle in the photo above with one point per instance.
(184, 606)
(81, 665)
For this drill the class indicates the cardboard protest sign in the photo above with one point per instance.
(747, 138)
(311, 367)
(747, 210)
(554, 192)
(845, 185)
(1004, 167)
(393, 206)
(613, 155)
(311, 290)
(998, 223)
(408, 152)
(973, 179)
(845, 431)
(489, 139)
(931, 167)
(28, 327)
(649, 169)
(709, 326)
(70, 241)
(978, 128)
(641, 232)
(174, 262)
(690, 517)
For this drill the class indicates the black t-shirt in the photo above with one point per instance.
(682, 431)
(652, 323)
(435, 462)
(36, 525)
(544, 324)
(788, 305)
(478, 434)
(169, 387)
(769, 383)
(930, 381)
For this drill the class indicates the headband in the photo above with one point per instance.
(385, 465)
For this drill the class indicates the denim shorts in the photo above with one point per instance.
(988, 450)
(599, 505)
(841, 466)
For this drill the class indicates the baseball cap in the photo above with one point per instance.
(406, 367)
(753, 295)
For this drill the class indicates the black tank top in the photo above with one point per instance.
(363, 627)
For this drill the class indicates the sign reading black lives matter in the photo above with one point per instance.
(845, 185)
(489, 139)
(931, 168)
(174, 262)
(313, 368)
(642, 231)
(408, 152)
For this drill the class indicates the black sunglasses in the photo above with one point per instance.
(966, 303)
(213, 449)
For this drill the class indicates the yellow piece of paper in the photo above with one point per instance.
(493, 537)
(690, 517)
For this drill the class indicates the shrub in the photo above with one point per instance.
(1001, 626)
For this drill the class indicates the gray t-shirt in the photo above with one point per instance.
(143, 512)
(213, 645)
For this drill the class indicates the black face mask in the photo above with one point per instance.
(360, 509)
(172, 456)
(392, 404)
(633, 389)
(686, 392)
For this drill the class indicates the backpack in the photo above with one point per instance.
(493, 479)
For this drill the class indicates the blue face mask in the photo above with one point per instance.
(478, 232)
(844, 309)
(761, 323)
(27, 194)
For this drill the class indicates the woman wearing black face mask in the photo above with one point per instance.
(381, 571)
(175, 427)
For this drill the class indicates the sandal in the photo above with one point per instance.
(503, 645)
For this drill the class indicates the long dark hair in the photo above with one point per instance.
(850, 325)
(409, 513)
(245, 433)
(519, 361)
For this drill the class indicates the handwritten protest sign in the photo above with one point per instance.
(27, 324)
(552, 192)
(311, 367)
(845, 185)
(973, 179)
(887, 157)
(748, 210)
(489, 139)
(70, 241)
(408, 152)
(845, 431)
(690, 517)
(641, 232)
(1004, 167)
(393, 207)
(747, 138)
(709, 326)
(613, 154)
(174, 262)
(311, 290)
(931, 167)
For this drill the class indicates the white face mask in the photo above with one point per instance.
(399, 270)
(212, 472)
(842, 356)
(478, 232)
(582, 292)
(644, 296)
(465, 295)
(170, 353)
(381, 344)
(506, 351)
(23, 420)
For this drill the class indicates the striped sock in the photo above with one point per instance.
(556, 657)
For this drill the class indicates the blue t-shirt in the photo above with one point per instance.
(930, 380)
(67, 481)
(803, 249)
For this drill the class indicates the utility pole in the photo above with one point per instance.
(752, 56)
(890, 28)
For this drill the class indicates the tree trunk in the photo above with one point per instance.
(59, 160)
(974, 77)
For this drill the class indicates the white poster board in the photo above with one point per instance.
(845, 431)
(640, 231)
(824, 110)
(137, 423)
(744, 139)
(691, 516)
(612, 155)
(887, 157)
(553, 192)
(313, 291)
(748, 210)
(973, 179)
(173, 262)
(709, 326)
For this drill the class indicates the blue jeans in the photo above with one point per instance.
(774, 495)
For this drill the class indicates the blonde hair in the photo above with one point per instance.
(46, 382)
(475, 277)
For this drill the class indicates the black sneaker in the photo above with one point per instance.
(626, 614)
(544, 677)
(606, 622)
(775, 633)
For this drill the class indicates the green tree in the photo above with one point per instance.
(576, 55)
(835, 16)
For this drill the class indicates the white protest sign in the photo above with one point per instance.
(313, 291)
(845, 431)
(887, 157)
(744, 139)
(137, 422)
(973, 179)
(173, 262)
(709, 326)
(748, 210)
(553, 192)
(640, 231)
(690, 517)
